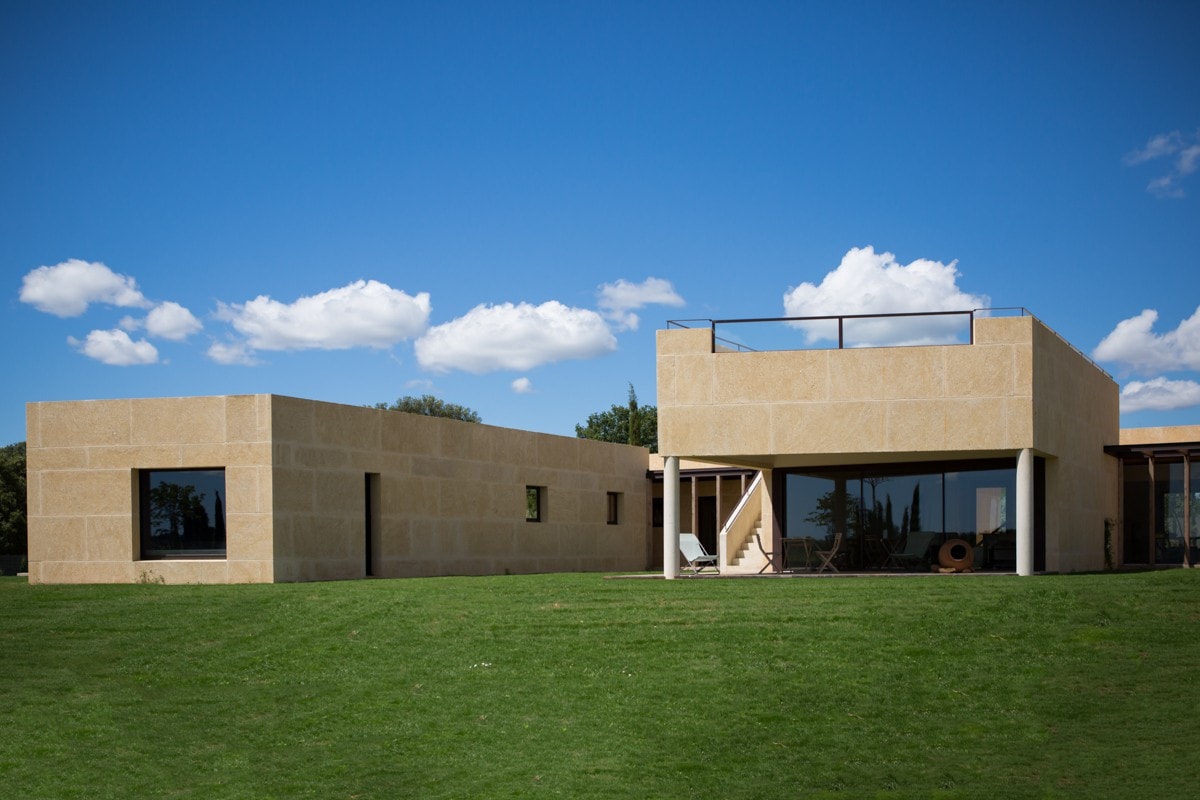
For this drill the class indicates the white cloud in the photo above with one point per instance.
(1134, 343)
(1159, 394)
(1189, 160)
(1183, 151)
(171, 321)
(618, 299)
(66, 289)
(1163, 144)
(362, 314)
(516, 337)
(866, 282)
(116, 348)
(1165, 186)
(424, 384)
(232, 353)
(522, 386)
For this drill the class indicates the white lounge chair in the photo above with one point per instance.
(694, 553)
(915, 552)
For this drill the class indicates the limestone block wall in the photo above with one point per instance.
(822, 406)
(83, 460)
(449, 496)
(1163, 435)
(1076, 414)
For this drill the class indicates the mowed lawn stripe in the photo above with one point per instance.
(577, 686)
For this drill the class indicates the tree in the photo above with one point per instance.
(13, 523)
(626, 424)
(431, 406)
(177, 513)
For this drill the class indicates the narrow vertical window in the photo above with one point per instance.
(371, 522)
(614, 508)
(533, 503)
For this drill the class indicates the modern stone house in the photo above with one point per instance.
(995, 441)
(1001, 440)
(261, 488)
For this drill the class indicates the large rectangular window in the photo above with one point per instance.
(1153, 513)
(182, 513)
(895, 517)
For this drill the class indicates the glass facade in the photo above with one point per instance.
(1153, 513)
(182, 513)
(896, 517)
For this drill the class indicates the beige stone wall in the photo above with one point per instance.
(83, 459)
(1167, 435)
(1076, 414)
(451, 496)
(792, 408)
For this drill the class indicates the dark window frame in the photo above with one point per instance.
(212, 509)
(614, 508)
(855, 473)
(535, 503)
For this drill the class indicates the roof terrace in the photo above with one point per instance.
(851, 331)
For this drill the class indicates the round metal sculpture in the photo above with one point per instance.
(956, 555)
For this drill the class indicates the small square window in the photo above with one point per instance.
(614, 508)
(533, 503)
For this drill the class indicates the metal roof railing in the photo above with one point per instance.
(902, 329)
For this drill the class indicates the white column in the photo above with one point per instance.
(670, 517)
(1025, 512)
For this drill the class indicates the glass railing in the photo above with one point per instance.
(844, 331)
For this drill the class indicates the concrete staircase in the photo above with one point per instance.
(752, 556)
(742, 548)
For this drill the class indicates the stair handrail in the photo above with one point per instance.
(724, 546)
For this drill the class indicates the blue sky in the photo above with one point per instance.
(499, 203)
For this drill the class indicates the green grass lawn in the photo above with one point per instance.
(575, 686)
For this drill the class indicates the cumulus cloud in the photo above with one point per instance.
(617, 300)
(233, 353)
(165, 321)
(1182, 151)
(171, 321)
(866, 282)
(516, 337)
(116, 348)
(1134, 344)
(522, 386)
(68, 288)
(1159, 394)
(361, 314)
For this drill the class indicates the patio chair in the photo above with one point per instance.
(915, 552)
(828, 555)
(695, 554)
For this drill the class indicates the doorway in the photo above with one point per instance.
(371, 523)
(706, 523)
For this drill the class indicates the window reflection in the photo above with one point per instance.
(1154, 513)
(896, 517)
(182, 513)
